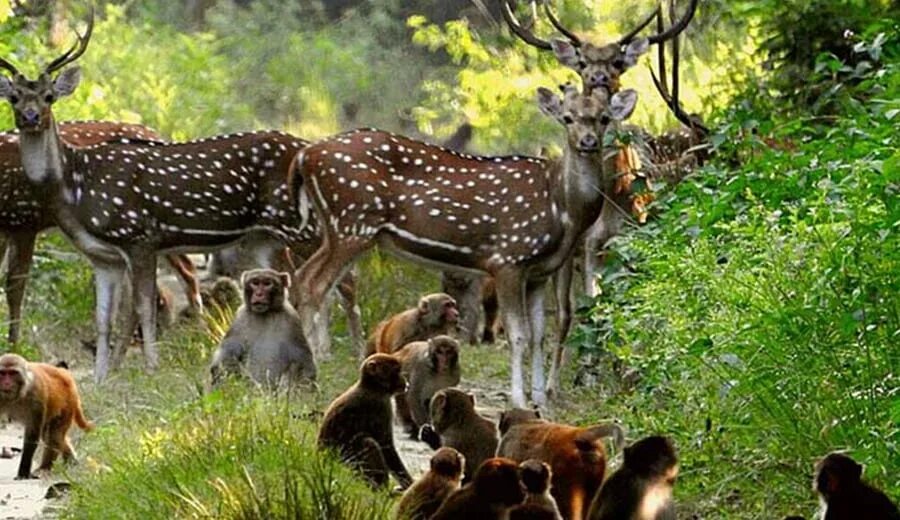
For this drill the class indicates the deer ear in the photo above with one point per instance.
(6, 88)
(635, 50)
(285, 280)
(622, 104)
(549, 103)
(566, 53)
(67, 81)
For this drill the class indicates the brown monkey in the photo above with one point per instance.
(266, 338)
(642, 488)
(435, 314)
(45, 400)
(358, 423)
(428, 366)
(494, 490)
(535, 477)
(455, 423)
(533, 511)
(845, 496)
(576, 455)
(424, 497)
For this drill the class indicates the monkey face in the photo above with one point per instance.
(444, 353)
(12, 376)
(264, 290)
(438, 309)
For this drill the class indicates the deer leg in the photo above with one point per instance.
(144, 284)
(108, 280)
(511, 298)
(591, 248)
(347, 290)
(534, 299)
(188, 274)
(316, 278)
(21, 251)
(563, 286)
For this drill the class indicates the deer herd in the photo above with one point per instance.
(124, 195)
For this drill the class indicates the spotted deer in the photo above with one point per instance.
(516, 218)
(23, 215)
(122, 203)
(599, 66)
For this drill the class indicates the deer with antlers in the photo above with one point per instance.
(23, 215)
(123, 203)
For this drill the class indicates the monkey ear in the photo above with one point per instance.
(437, 403)
(285, 280)
(423, 306)
(244, 276)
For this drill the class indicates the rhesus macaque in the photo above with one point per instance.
(845, 496)
(642, 488)
(358, 423)
(225, 293)
(576, 455)
(455, 423)
(45, 400)
(494, 490)
(435, 314)
(428, 366)
(266, 338)
(535, 477)
(533, 511)
(427, 494)
(466, 290)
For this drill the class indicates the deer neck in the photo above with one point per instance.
(583, 183)
(43, 156)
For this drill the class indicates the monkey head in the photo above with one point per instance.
(535, 476)
(15, 378)
(381, 372)
(443, 353)
(449, 406)
(448, 462)
(653, 457)
(498, 478)
(836, 472)
(438, 309)
(514, 416)
(264, 289)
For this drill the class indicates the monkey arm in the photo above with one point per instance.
(430, 437)
(392, 458)
(228, 358)
(32, 436)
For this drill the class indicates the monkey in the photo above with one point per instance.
(435, 314)
(427, 494)
(494, 490)
(455, 423)
(642, 488)
(535, 477)
(576, 455)
(844, 495)
(45, 400)
(223, 295)
(466, 290)
(266, 338)
(428, 366)
(358, 423)
(533, 511)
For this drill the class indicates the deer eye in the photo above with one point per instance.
(619, 64)
(567, 119)
(582, 64)
(48, 98)
(604, 120)
(13, 99)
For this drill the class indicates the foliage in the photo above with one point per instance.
(762, 307)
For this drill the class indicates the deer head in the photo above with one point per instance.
(599, 66)
(31, 100)
(586, 116)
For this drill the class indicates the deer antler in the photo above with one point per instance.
(9, 66)
(77, 49)
(676, 27)
(524, 34)
(559, 27)
(671, 99)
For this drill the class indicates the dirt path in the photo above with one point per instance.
(19, 499)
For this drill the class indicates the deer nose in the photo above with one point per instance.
(31, 116)
(587, 143)
(599, 79)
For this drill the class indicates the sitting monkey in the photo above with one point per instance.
(266, 339)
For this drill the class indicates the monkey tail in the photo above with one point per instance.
(81, 421)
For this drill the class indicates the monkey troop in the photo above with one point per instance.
(266, 339)
(45, 400)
